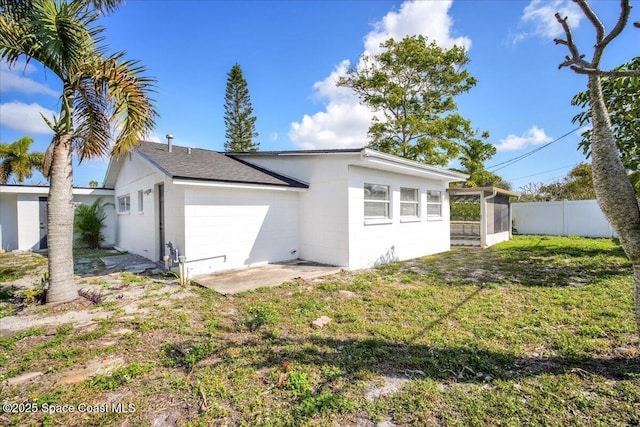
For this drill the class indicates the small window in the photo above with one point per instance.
(124, 204)
(376, 201)
(140, 201)
(409, 202)
(434, 204)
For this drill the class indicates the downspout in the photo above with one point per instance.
(483, 227)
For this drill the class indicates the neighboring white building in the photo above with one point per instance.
(23, 215)
(353, 208)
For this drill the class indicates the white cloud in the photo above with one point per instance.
(429, 18)
(13, 79)
(340, 126)
(539, 17)
(25, 117)
(534, 136)
(344, 122)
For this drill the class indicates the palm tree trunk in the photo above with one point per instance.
(60, 224)
(614, 191)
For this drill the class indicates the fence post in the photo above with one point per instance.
(564, 218)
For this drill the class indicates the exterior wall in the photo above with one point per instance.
(109, 230)
(137, 231)
(495, 238)
(378, 242)
(174, 217)
(28, 215)
(8, 221)
(232, 228)
(562, 218)
(324, 221)
(20, 214)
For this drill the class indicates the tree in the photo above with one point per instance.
(621, 98)
(101, 94)
(614, 191)
(577, 185)
(93, 184)
(238, 114)
(15, 159)
(473, 154)
(412, 83)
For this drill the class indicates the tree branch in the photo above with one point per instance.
(595, 21)
(613, 73)
(576, 61)
(575, 58)
(625, 10)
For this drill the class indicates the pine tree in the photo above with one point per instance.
(238, 114)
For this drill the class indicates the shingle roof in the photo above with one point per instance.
(207, 165)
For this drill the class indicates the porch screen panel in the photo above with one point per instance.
(500, 214)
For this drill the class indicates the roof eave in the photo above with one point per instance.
(475, 190)
(235, 184)
(373, 156)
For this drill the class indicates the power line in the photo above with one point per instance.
(543, 172)
(510, 162)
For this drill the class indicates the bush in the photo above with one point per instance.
(89, 222)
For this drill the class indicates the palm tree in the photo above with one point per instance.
(15, 159)
(105, 105)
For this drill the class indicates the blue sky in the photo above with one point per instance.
(291, 53)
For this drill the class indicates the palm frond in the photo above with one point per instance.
(5, 149)
(128, 91)
(5, 172)
(66, 34)
(16, 35)
(92, 133)
(48, 159)
(103, 6)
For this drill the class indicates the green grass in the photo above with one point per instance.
(535, 331)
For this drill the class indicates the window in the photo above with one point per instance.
(140, 201)
(409, 202)
(124, 204)
(434, 204)
(376, 201)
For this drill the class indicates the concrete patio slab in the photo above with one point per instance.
(232, 282)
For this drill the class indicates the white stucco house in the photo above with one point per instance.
(353, 208)
(23, 215)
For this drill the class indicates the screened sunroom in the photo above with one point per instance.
(480, 216)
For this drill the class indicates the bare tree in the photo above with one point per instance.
(614, 191)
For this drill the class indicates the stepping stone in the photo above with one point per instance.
(23, 378)
(320, 322)
(102, 366)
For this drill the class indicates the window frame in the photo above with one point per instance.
(127, 198)
(415, 204)
(140, 201)
(434, 217)
(377, 219)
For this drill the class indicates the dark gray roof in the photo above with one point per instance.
(207, 165)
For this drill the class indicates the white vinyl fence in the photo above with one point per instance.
(568, 217)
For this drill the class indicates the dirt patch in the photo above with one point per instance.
(112, 283)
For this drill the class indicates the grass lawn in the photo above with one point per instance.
(535, 331)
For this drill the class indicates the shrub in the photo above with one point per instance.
(89, 222)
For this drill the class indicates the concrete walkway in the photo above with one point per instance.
(232, 282)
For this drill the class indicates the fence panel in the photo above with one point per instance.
(562, 218)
